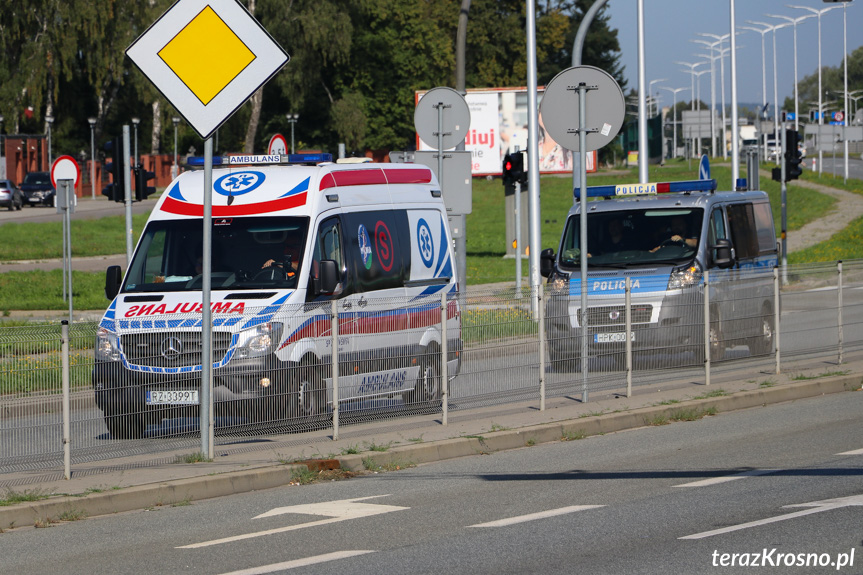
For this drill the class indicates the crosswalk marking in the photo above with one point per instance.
(535, 516)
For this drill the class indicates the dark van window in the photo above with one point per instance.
(766, 234)
(741, 224)
(329, 246)
(374, 251)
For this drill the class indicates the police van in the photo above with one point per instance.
(663, 236)
(291, 237)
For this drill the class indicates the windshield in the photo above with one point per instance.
(634, 237)
(247, 253)
(37, 178)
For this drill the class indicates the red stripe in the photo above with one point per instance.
(353, 178)
(173, 206)
(408, 176)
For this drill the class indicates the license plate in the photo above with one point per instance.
(612, 337)
(177, 397)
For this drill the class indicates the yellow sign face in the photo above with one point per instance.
(207, 34)
(207, 57)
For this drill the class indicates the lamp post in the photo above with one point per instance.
(794, 22)
(650, 89)
(776, 140)
(92, 122)
(2, 152)
(48, 121)
(716, 45)
(820, 110)
(763, 72)
(292, 118)
(135, 122)
(691, 72)
(175, 169)
(674, 91)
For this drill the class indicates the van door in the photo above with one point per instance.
(747, 285)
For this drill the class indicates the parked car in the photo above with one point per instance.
(10, 196)
(38, 189)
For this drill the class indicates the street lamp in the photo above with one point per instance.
(820, 111)
(691, 72)
(674, 91)
(175, 169)
(716, 45)
(794, 22)
(650, 90)
(92, 122)
(135, 122)
(763, 75)
(48, 121)
(776, 139)
(292, 118)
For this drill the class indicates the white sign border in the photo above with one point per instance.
(205, 119)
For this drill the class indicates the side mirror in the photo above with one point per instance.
(328, 277)
(722, 258)
(546, 262)
(113, 278)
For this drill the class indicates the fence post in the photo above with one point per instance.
(776, 316)
(64, 346)
(706, 327)
(334, 331)
(444, 354)
(540, 308)
(628, 335)
(841, 329)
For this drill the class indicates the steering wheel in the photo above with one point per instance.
(271, 273)
(670, 242)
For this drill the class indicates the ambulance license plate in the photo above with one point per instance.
(174, 397)
(612, 337)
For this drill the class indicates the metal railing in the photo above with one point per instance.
(394, 359)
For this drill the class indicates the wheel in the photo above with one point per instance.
(126, 426)
(20, 205)
(717, 341)
(309, 396)
(762, 343)
(428, 387)
(272, 273)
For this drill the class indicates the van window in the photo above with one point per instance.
(329, 246)
(716, 230)
(374, 251)
(741, 224)
(766, 234)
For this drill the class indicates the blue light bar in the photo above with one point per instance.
(260, 160)
(648, 189)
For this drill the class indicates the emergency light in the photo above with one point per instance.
(263, 160)
(649, 189)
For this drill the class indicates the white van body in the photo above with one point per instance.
(274, 227)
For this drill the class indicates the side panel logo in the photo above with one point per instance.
(238, 183)
(365, 246)
(384, 246)
(425, 243)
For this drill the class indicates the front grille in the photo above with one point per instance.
(615, 315)
(171, 349)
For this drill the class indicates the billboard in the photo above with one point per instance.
(498, 126)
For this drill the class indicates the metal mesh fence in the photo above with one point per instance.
(135, 383)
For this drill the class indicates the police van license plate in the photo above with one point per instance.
(612, 337)
(174, 397)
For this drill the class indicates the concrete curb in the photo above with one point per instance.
(182, 491)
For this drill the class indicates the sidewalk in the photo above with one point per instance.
(145, 481)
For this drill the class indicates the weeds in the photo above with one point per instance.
(196, 457)
(370, 465)
(572, 435)
(14, 497)
(375, 447)
(711, 393)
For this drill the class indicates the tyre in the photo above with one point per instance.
(126, 426)
(717, 341)
(762, 343)
(308, 399)
(428, 387)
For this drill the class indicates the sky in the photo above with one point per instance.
(671, 25)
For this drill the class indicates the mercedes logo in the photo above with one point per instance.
(614, 315)
(171, 348)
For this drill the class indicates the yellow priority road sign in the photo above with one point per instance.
(207, 57)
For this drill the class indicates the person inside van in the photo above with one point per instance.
(679, 234)
(615, 240)
(291, 260)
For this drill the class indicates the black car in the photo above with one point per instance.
(10, 196)
(38, 189)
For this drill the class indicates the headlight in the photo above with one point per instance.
(259, 340)
(685, 276)
(107, 345)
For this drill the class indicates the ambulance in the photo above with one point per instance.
(663, 237)
(292, 238)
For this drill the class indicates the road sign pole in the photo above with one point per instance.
(207, 312)
(518, 244)
(784, 193)
(68, 194)
(582, 153)
(127, 179)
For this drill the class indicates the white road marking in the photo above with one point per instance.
(305, 562)
(340, 510)
(854, 452)
(535, 516)
(726, 478)
(815, 507)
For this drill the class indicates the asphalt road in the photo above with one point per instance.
(681, 498)
(87, 208)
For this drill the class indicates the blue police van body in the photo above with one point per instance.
(663, 242)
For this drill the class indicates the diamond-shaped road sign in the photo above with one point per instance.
(207, 57)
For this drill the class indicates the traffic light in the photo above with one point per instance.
(793, 157)
(513, 169)
(507, 170)
(142, 176)
(116, 190)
